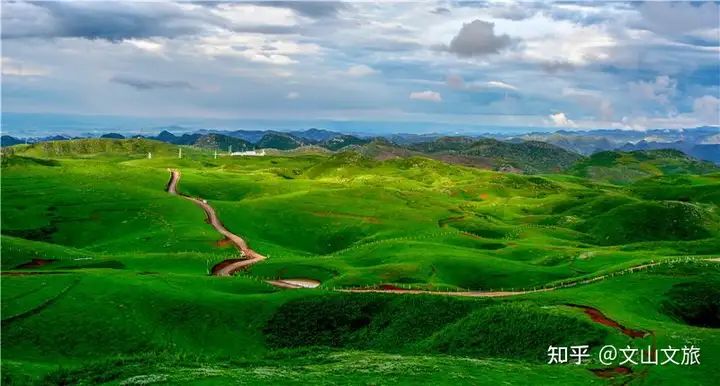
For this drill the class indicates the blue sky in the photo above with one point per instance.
(367, 67)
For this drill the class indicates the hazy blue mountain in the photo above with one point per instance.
(113, 136)
(315, 135)
(700, 142)
(7, 140)
(252, 136)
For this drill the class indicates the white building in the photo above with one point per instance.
(251, 153)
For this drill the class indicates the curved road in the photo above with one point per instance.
(228, 267)
(251, 257)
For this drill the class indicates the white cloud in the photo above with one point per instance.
(255, 48)
(560, 120)
(12, 67)
(679, 17)
(591, 100)
(146, 45)
(707, 109)
(457, 82)
(499, 84)
(426, 95)
(293, 95)
(661, 90)
(253, 15)
(566, 45)
(360, 70)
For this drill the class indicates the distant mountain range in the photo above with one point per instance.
(699, 142)
(526, 156)
(530, 148)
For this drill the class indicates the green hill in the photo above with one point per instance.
(97, 146)
(340, 141)
(528, 157)
(207, 141)
(652, 221)
(105, 275)
(624, 167)
(222, 142)
(280, 141)
(382, 149)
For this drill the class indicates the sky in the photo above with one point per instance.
(363, 66)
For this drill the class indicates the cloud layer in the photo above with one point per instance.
(569, 64)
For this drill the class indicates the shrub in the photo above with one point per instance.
(695, 303)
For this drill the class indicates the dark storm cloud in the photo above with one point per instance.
(478, 38)
(115, 21)
(150, 84)
(101, 20)
(314, 9)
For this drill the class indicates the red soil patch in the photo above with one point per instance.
(34, 263)
(598, 317)
(389, 287)
(224, 242)
(612, 372)
(217, 267)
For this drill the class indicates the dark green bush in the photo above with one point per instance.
(374, 321)
(695, 303)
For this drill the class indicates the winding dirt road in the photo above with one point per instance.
(227, 267)
(230, 266)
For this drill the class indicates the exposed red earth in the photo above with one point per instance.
(598, 317)
(34, 263)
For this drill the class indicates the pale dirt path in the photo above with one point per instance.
(489, 294)
(251, 257)
(254, 257)
(294, 283)
(483, 294)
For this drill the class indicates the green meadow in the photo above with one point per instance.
(105, 276)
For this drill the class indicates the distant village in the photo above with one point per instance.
(251, 153)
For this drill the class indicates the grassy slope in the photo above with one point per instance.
(344, 220)
(625, 167)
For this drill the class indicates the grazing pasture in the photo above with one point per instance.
(105, 276)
